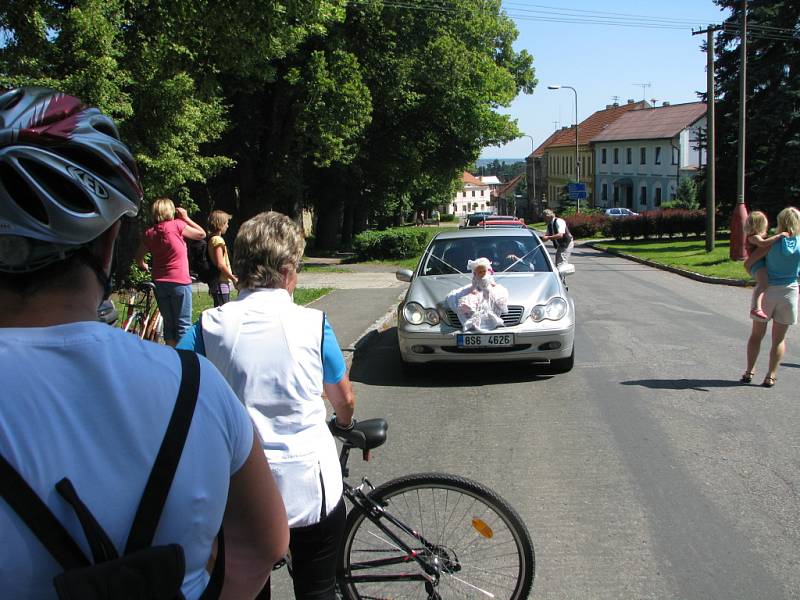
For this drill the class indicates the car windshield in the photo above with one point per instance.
(522, 254)
(473, 220)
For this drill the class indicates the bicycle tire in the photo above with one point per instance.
(494, 550)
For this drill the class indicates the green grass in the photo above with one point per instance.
(684, 254)
(325, 269)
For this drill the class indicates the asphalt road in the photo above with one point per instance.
(646, 472)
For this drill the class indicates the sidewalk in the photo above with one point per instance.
(364, 297)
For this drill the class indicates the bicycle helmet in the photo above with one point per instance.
(65, 177)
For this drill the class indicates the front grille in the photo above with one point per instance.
(511, 318)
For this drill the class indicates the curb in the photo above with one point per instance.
(676, 270)
(379, 326)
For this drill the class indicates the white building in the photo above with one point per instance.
(475, 195)
(641, 157)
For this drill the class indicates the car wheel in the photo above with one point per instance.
(562, 365)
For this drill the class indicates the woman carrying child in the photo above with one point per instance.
(755, 228)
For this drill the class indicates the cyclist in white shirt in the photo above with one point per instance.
(279, 359)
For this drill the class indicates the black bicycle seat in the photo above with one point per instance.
(364, 434)
(147, 285)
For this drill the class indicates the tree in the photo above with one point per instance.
(435, 78)
(773, 104)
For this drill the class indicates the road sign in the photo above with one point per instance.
(578, 195)
(576, 187)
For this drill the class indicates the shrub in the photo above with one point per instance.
(447, 218)
(391, 243)
(584, 225)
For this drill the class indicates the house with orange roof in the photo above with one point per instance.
(559, 154)
(641, 158)
(474, 195)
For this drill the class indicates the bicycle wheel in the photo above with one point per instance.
(478, 540)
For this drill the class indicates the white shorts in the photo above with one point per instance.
(780, 303)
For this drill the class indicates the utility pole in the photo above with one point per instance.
(711, 171)
(739, 216)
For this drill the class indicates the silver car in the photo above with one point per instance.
(539, 325)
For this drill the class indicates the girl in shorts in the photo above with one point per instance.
(755, 228)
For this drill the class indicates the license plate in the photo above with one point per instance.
(484, 340)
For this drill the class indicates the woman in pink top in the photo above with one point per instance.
(166, 243)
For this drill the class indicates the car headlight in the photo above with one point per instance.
(554, 310)
(416, 314)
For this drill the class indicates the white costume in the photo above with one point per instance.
(480, 304)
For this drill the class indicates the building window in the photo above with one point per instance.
(616, 156)
(616, 195)
(603, 155)
(658, 196)
(473, 193)
(643, 195)
(481, 206)
(642, 156)
(481, 195)
(455, 208)
(657, 159)
(675, 154)
(628, 155)
(605, 192)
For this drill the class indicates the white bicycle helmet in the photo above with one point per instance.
(65, 177)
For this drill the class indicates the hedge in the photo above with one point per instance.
(651, 224)
(397, 243)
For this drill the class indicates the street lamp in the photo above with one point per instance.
(577, 163)
(532, 192)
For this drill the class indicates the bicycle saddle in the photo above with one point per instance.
(364, 434)
(147, 285)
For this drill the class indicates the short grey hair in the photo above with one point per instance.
(265, 247)
(548, 213)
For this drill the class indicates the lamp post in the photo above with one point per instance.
(532, 191)
(577, 160)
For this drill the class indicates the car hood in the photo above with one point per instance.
(526, 289)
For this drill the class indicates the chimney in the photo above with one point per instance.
(665, 103)
(630, 100)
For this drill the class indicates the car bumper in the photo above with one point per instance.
(420, 347)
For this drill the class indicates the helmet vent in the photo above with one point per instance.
(22, 194)
(59, 186)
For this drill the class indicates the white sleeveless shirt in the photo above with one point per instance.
(270, 352)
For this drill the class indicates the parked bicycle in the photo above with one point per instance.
(430, 535)
(142, 316)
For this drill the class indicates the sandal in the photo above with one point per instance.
(747, 377)
(768, 382)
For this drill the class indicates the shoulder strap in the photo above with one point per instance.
(39, 518)
(155, 493)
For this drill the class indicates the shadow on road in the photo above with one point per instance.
(701, 385)
(376, 361)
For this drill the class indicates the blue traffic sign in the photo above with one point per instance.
(578, 195)
(576, 187)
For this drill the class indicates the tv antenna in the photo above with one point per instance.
(644, 87)
(615, 99)
(555, 125)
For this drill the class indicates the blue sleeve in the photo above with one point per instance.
(333, 367)
(193, 339)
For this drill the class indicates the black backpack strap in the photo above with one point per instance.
(39, 518)
(101, 545)
(155, 493)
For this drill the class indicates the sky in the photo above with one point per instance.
(601, 60)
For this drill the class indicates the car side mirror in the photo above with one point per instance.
(404, 275)
(566, 268)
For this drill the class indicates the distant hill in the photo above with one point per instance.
(482, 162)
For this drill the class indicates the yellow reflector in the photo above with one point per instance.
(482, 528)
